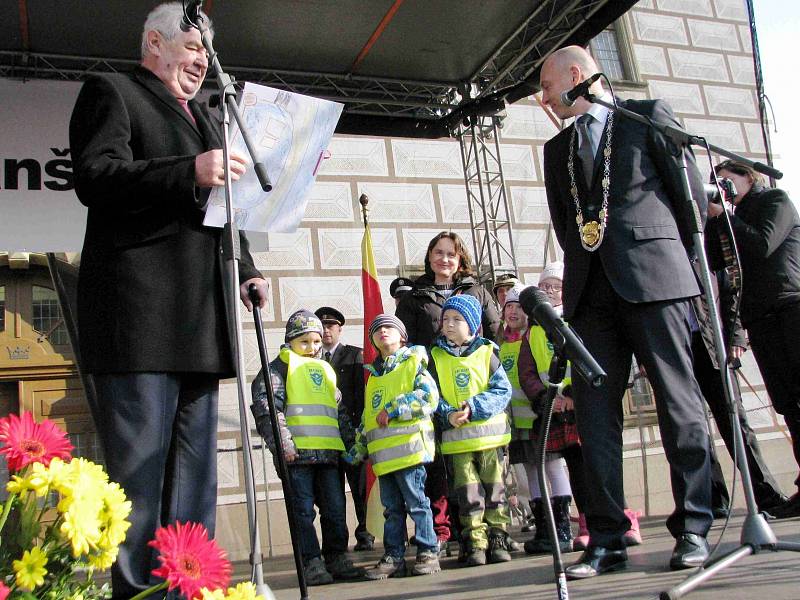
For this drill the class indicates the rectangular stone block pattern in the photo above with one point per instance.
(643, 4)
(683, 97)
(227, 464)
(727, 134)
(744, 36)
(714, 35)
(527, 122)
(399, 202)
(341, 248)
(688, 7)
(730, 102)
(651, 27)
(423, 158)
(356, 156)
(742, 69)
(529, 205)
(453, 202)
(330, 201)
(517, 161)
(754, 137)
(287, 251)
(705, 66)
(343, 292)
(735, 10)
(651, 60)
(529, 247)
(415, 242)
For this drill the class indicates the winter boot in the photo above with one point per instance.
(540, 543)
(560, 506)
(315, 572)
(632, 537)
(498, 550)
(581, 541)
(341, 567)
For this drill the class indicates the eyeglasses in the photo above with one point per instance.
(546, 287)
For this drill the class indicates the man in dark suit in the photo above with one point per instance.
(348, 362)
(613, 188)
(151, 310)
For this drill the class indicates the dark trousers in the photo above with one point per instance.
(320, 485)
(573, 456)
(765, 487)
(357, 480)
(658, 334)
(159, 437)
(774, 341)
(720, 497)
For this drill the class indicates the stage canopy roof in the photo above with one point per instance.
(411, 68)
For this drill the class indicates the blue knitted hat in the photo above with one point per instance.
(469, 307)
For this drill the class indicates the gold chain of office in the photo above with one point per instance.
(591, 233)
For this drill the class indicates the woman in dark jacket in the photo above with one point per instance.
(766, 228)
(448, 271)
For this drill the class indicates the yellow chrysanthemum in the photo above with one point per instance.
(36, 478)
(207, 594)
(81, 527)
(104, 558)
(243, 591)
(30, 569)
(79, 477)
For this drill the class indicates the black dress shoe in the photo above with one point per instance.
(720, 512)
(791, 508)
(363, 545)
(596, 560)
(772, 502)
(691, 550)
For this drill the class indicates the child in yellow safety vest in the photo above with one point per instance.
(474, 392)
(312, 423)
(397, 432)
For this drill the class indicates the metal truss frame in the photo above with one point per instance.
(487, 202)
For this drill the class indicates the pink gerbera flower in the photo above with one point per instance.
(26, 441)
(189, 560)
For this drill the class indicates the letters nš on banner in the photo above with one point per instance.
(26, 173)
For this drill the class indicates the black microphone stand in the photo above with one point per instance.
(756, 533)
(231, 255)
(555, 375)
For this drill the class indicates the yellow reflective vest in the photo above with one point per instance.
(522, 415)
(542, 351)
(311, 412)
(461, 378)
(401, 444)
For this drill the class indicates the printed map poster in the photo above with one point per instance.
(290, 133)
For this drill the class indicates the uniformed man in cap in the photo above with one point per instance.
(399, 287)
(348, 362)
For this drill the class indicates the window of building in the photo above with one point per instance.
(612, 50)
(2, 308)
(47, 319)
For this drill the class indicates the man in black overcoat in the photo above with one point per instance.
(613, 188)
(151, 310)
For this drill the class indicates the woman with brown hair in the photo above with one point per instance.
(766, 228)
(448, 272)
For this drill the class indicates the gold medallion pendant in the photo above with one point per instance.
(590, 233)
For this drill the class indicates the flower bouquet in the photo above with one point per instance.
(63, 520)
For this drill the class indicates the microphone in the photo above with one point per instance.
(191, 13)
(568, 97)
(536, 305)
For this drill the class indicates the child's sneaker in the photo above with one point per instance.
(427, 563)
(341, 567)
(633, 536)
(476, 557)
(315, 572)
(498, 552)
(387, 566)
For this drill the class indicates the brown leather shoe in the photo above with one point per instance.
(597, 560)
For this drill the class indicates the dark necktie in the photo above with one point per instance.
(327, 356)
(585, 151)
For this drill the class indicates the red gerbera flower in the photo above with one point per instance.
(189, 560)
(4, 591)
(27, 441)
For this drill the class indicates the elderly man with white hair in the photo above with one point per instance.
(151, 312)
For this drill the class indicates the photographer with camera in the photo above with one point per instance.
(766, 228)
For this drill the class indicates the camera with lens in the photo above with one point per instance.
(725, 185)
